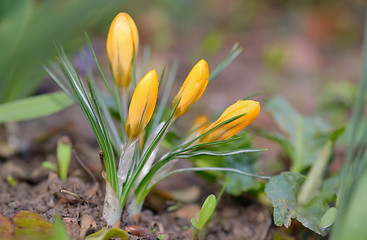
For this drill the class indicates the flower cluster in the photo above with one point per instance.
(132, 135)
(122, 46)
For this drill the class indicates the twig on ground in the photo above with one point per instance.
(63, 191)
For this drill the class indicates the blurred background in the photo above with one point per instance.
(308, 52)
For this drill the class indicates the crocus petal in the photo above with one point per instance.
(249, 108)
(122, 41)
(193, 87)
(142, 105)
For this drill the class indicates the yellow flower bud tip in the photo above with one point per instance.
(122, 41)
(142, 105)
(200, 123)
(249, 108)
(193, 87)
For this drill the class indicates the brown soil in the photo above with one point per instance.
(41, 191)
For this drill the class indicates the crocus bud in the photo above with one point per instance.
(248, 107)
(200, 123)
(192, 89)
(122, 44)
(142, 105)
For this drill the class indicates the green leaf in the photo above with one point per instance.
(49, 165)
(235, 51)
(282, 190)
(329, 188)
(28, 29)
(106, 234)
(63, 154)
(352, 193)
(329, 217)
(71, 82)
(195, 224)
(34, 107)
(305, 135)
(352, 223)
(59, 232)
(11, 181)
(207, 210)
(237, 184)
(161, 237)
(315, 175)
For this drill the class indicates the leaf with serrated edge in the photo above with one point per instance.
(282, 190)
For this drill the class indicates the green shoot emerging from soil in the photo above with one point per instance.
(206, 213)
(134, 130)
(63, 156)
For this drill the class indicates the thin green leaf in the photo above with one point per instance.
(186, 144)
(146, 156)
(166, 93)
(217, 154)
(146, 57)
(235, 51)
(106, 113)
(133, 74)
(354, 175)
(115, 93)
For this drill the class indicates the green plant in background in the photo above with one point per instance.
(34, 107)
(351, 209)
(11, 181)
(63, 156)
(309, 143)
(206, 213)
(28, 30)
(133, 136)
(302, 138)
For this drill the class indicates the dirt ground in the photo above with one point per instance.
(41, 191)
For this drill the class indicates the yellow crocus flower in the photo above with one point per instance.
(142, 105)
(122, 44)
(193, 87)
(248, 107)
